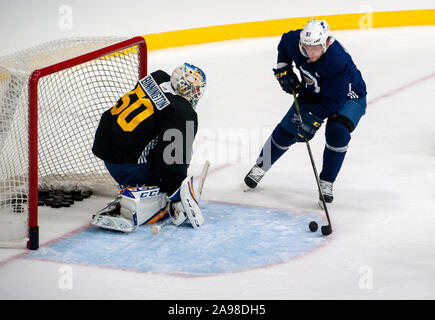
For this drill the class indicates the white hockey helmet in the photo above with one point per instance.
(314, 33)
(189, 82)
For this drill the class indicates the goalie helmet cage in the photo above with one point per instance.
(51, 99)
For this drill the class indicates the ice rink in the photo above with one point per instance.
(383, 215)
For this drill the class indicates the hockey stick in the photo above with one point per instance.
(155, 229)
(326, 230)
(202, 178)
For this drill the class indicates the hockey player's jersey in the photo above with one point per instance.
(143, 123)
(331, 80)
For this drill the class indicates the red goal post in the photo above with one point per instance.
(65, 99)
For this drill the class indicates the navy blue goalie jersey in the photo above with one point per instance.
(329, 81)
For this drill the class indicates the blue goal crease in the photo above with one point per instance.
(233, 238)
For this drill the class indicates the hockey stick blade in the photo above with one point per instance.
(155, 229)
(326, 230)
(203, 176)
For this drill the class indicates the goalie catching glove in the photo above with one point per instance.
(184, 205)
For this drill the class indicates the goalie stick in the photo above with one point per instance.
(155, 229)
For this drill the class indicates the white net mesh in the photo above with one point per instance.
(70, 103)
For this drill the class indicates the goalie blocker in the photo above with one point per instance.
(145, 205)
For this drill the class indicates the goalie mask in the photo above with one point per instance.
(189, 82)
(314, 33)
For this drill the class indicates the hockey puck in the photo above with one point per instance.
(77, 196)
(86, 194)
(43, 195)
(313, 226)
(48, 201)
(58, 198)
(70, 201)
(55, 204)
(64, 203)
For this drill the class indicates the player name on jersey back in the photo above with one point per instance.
(154, 92)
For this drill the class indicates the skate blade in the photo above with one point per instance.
(320, 204)
(249, 189)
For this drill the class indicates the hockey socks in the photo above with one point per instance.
(277, 144)
(337, 140)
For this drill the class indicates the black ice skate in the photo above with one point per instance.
(254, 176)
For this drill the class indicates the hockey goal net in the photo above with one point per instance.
(51, 99)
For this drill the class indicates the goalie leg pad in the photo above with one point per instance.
(148, 204)
(184, 205)
(190, 203)
(114, 223)
(109, 218)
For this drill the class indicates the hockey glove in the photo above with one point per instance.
(287, 79)
(308, 127)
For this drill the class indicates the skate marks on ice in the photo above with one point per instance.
(233, 238)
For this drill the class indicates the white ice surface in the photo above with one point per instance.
(383, 245)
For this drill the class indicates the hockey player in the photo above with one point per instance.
(145, 141)
(331, 88)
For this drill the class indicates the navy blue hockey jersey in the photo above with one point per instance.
(329, 81)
